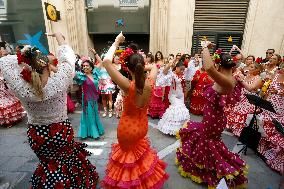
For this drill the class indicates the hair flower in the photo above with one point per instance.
(26, 74)
(124, 56)
(258, 60)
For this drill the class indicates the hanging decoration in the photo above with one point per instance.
(119, 22)
(230, 39)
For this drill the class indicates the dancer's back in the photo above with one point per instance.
(133, 124)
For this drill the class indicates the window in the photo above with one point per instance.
(128, 3)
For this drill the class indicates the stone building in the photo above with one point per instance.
(168, 25)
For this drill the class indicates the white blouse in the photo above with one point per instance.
(52, 109)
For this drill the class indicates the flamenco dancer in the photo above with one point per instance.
(177, 113)
(203, 156)
(63, 162)
(157, 104)
(272, 146)
(11, 110)
(237, 114)
(197, 100)
(133, 164)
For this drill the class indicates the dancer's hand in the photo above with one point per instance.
(92, 50)
(207, 44)
(120, 38)
(56, 35)
(59, 37)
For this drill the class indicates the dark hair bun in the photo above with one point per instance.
(134, 47)
(180, 63)
(227, 61)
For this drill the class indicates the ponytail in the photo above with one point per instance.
(139, 78)
(136, 65)
(36, 84)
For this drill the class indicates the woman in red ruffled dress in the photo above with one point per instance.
(202, 155)
(157, 106)
(197, 100)
(11, 110)
(133, 163)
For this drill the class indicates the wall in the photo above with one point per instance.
(171, 26)
(264, 27)
(180, 25)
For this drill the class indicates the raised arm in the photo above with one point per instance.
(168, 66)
(66, 65)
(153, 71)
(250, 87)
(99, 65)
(115, 75)
(222, 80)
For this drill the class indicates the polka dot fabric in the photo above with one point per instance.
(133, 163)
(63, 162)
(202, 155)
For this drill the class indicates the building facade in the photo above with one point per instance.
(170, 26)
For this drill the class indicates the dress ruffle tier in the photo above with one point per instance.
(11, 109)
(173, 119)
(157, 106)
(138, 168)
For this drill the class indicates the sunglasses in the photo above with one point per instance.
(269, 52)
(187, 57)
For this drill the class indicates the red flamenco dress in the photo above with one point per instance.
(197, 100)
(158, 103)
(202, 156)
(132, 162)
(11, 109)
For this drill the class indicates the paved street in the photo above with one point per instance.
(18, 161)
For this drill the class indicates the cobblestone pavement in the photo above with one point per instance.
(18, 161)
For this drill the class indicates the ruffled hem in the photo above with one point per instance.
(164, 80)
(173, 119)
(63, 162)
(139, 168)
(273, 154)
(80, 175)
(200, 174)
(11, 114)
(206, 153)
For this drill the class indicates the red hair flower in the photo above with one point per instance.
(218, 51)
(26, 74)
(55, 62)
(123, 57)
(235, 59)
(258, 60)
(22, 59)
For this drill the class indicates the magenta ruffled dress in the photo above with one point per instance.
(203, 156)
